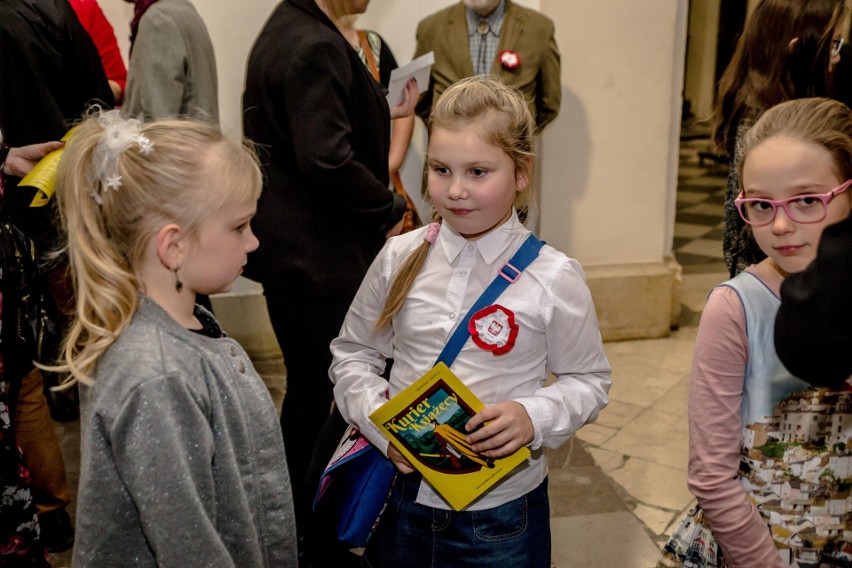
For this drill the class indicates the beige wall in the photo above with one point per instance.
(119, 13)
(610, 158)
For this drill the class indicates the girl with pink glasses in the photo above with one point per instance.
(768, 459)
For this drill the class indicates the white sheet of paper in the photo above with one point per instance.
(419, 69)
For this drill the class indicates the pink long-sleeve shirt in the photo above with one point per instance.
(715, 427)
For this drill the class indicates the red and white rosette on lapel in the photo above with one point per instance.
(494, 329)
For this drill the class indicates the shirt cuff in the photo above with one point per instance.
(541, 417)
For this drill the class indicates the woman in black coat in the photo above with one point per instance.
(322, 125)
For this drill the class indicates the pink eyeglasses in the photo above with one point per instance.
(804, 208)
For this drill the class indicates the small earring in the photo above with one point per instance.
(178, 283)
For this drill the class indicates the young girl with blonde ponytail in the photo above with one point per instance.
(182, 458)
(418, 290)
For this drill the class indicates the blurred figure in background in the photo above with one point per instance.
(477, 37)
(172, 64)
(20, 544)
(50, 73)
(322, 124)
(377, 56)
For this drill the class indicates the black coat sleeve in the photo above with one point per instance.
(317, 87)
(50, 71)
(813, 328)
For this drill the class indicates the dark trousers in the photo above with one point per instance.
(304, 326)
(516, 533)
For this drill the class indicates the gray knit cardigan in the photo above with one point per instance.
(182, 456)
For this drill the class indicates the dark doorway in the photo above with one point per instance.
(732, 15)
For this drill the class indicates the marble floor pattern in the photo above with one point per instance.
(618, 487)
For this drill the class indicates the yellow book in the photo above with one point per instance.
(426, 423)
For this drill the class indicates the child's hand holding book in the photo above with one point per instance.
(506, 428)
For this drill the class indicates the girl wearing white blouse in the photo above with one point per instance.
(415, 294)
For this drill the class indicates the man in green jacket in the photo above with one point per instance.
(498, 37)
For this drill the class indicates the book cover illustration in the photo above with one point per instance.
(426, 423)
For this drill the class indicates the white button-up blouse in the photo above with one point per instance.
(558, 331)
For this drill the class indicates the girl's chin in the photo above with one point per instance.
(221, 290)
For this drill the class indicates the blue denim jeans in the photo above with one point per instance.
(516, 533)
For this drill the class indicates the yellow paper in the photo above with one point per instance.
(43, 175)
(426, 423)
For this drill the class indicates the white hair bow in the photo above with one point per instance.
(119, 135)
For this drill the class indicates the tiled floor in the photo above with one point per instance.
(698, 219)
(619, 485)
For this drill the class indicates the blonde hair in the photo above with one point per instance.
(190, 172)
(505, 121)
(502, 114)
(822, 121)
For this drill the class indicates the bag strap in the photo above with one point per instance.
(368, 54)
(508, 273)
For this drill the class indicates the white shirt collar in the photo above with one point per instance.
(490, 246)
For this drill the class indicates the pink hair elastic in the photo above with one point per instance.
(431, 232)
